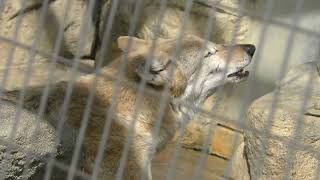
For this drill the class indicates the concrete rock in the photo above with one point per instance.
(47, 34)
(223, 139)
(16, 60)
(239, 164)
(25, 148)
(31, 149)
(288, 146)
(224, 22)
(16, 73)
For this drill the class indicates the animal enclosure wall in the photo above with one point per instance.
(263, 128)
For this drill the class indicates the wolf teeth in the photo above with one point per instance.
(238, 73)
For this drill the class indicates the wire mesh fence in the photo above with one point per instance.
(123, 110)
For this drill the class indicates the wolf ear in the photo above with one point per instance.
(136, 43)
(154, 71)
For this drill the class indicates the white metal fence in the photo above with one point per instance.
(75, 64)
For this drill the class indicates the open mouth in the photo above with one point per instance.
(241, 73)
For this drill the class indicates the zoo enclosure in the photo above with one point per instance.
(103, 42)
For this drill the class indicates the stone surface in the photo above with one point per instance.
(223, 22)
(239, 164)
(33, 149)
(14, 155)
(17, 74)
(289, 145)
(14, 60)
(46, 34)
(224, 137)
(225, 19)
(186, 165)
(224, 141)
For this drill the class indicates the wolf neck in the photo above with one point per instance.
(194, 96)
(184, 113)
(186, 107)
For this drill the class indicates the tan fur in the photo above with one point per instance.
(124, 112)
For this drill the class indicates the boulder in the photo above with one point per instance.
(24, 148)
(288, 145)
(18, 77)
(222, 142)
(47, 34)
(14, 60)
(225, 20)
(26, 155)
(239, 164)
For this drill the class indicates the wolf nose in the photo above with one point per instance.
(249, 48)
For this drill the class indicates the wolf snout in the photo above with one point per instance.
(249, 48)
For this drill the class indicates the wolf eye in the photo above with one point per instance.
(208, 54)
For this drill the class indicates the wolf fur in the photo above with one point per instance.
(196, 75)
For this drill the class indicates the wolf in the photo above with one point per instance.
(192, 75)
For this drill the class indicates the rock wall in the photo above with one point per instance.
(46, 34)
(16, 161)
(225, 20)
(34, 141)
(271, 50)
(287, 144)
(37, 40)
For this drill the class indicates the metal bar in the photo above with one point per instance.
(27, 74)
(54, 57)
(207, 140)
(172, 164)
(105, 41)
(165, 97)
(46, 90)
(127, 142)
(107, 125)
(255, 66)
(207, 35)
(284, 67)
(87, 110)
(69, 90)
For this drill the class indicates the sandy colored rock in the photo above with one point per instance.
(46, 33)
(35, 140)
(274, 152)
(16, 61)
(25, 147)
(239, 164)
(224, 141)
(224, 21)
(16, 72)
(186, 164)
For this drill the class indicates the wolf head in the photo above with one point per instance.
(195, 71)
